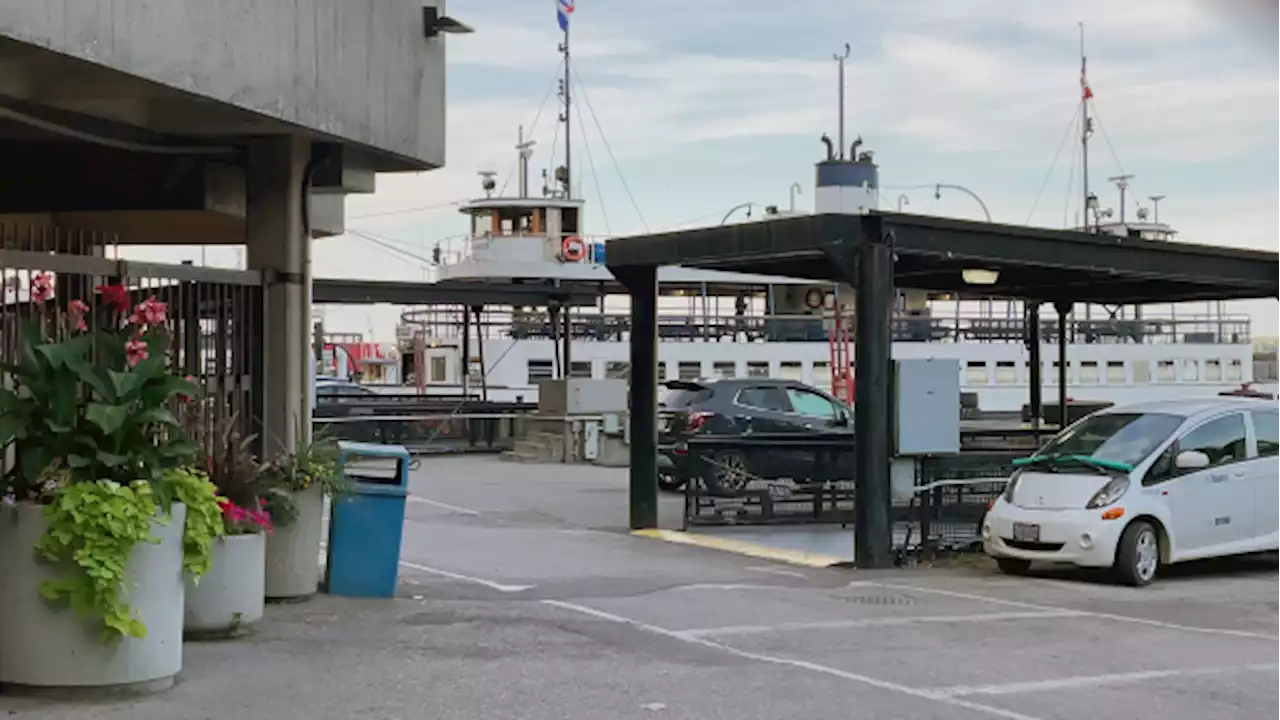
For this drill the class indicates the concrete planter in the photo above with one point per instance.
(229, 598)
(293, 551)
(44, 646)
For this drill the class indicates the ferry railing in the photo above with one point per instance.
(695, 327)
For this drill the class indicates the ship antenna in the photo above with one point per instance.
(840, 64)
(525, 149)
(1086, 127)
(563, 10)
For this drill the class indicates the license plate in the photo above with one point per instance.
(1026, 532)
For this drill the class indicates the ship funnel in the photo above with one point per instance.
(831, 150)
(853, 149)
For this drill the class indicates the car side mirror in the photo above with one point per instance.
(1191, 460)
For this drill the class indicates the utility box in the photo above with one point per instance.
(927, 410)
(366, 527)
(582, 396)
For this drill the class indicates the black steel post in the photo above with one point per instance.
(1064, 336)
(642, 282)
(566, 316)
(478, 311)
(873, 525)
(1031, 331)
(466, 351)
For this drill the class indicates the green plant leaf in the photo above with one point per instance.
(126, 384)
(158, 416)
(54, 353)
(108, 418)
(78, 461)
(10, 426)
(111, 460)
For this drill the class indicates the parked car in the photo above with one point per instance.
(738, 407)
(1134, 488)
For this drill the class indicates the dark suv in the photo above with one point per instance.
(737, 406)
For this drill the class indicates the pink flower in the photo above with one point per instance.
(149, 313)
(114, 296)
(135, 351)
(76, 310)
(41, 287)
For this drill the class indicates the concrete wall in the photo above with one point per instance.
(359, 70)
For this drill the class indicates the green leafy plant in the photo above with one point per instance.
(94, 400)
(204, 518)
(95, 526)
(313, 463)
(90, 413)
(233, 468)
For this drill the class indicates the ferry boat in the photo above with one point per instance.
(736, 325)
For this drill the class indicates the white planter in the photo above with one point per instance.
(229, 598)
(293, 550)
(49, 646)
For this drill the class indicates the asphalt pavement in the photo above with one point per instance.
(524, 598)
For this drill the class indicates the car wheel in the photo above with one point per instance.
(1138, 555)
(670, 483)
(729, 473)
(1013, 566)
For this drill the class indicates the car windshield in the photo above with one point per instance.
(1125, 438)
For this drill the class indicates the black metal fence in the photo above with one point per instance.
(423, 424)
(214, 318)
(797, 480)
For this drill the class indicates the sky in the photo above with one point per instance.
(691, 108)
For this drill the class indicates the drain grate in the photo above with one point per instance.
(879, 599)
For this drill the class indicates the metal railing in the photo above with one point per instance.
(790, 480)
(214, 318)
(674, 326)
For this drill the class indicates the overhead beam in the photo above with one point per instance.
(367, 292)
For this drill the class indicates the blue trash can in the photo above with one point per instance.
(366, 527)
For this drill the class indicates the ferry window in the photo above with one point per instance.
(724, 369)
(757, 369)
(811, 404)
(617, 370)
(1235, 371)
(438, 370)
(689, 370)
(790, 371)
(1141, 372)
(1267, 431)
(1115, 372)
(539, 370)
(1213, 370)
(580, 369)
(1165, 371)
(975, 373)
(820, 376)
(1006, 373)
(1190, 370)
(1089, 372)
(1071, 375)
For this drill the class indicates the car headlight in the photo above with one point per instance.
(1010, 486)
(1109, 493)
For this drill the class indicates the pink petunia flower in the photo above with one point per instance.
(149, 313)
(76, 310)
(41, 287)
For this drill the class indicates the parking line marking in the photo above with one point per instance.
(777, 571)
(872, 622)
(1081, 613)
(1096, 680)
(443, 506)
(741, 547)
(500, 587)
(789, 662)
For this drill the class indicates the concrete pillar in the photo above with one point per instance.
(277, 244)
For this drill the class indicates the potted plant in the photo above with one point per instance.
(228, 599)
(100, 512)
(294, 486)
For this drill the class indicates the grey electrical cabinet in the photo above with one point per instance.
(927, 409)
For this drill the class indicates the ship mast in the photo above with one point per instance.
(565, 9)
(1086, 127)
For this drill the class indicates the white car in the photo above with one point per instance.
(1133, 488)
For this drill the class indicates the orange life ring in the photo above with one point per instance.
(573, 249)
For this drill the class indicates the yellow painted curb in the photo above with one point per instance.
(739, 547)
